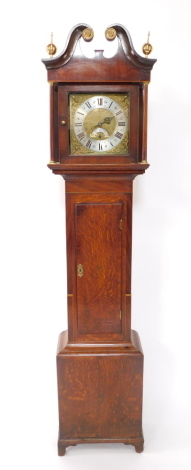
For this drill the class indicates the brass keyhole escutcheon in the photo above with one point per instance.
(80, 270)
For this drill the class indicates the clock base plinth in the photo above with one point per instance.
(137, 443)
(100, 393)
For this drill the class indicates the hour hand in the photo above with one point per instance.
(108, 119)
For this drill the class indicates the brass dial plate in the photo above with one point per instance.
(99, 123)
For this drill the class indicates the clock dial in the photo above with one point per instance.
(99, 123)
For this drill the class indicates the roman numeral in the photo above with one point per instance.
(100, 101)
(89, 143)
(80, 113)
(78, 124)
(111, 144)
(88, 104)
(81, 135)
(110, 104)
(100, 147)
(121, 123)
(119, 112)
(118, 135)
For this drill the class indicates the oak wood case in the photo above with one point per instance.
(99, 358)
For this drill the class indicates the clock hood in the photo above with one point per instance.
(72, 66)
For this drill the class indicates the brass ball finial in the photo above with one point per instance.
(87, 34)
(51, 48)
(110, 34)
(147, 48)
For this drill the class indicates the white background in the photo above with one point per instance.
(33, 293)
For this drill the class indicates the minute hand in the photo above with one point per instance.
(106, 120)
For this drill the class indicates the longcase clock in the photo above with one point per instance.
(98, 112)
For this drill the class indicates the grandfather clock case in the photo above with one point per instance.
(98, 114)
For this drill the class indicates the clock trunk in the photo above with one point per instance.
(99, 259)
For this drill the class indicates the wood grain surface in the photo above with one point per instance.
(99, 358)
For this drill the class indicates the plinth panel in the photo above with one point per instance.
(100, 396)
